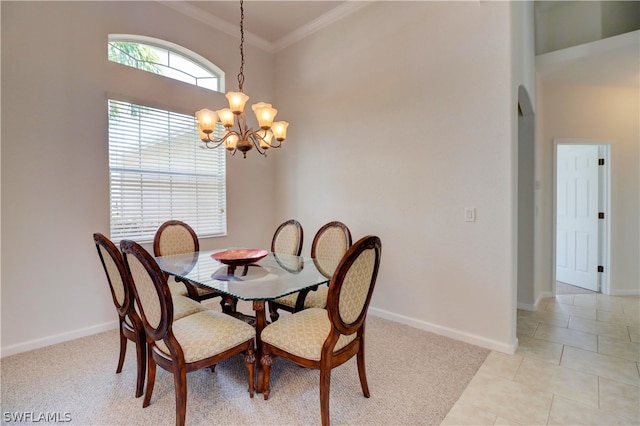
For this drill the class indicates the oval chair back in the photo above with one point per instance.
(175, 237)
(288, 238)
(150, 289)
(330, 243)
(130, 325)
(352, 285)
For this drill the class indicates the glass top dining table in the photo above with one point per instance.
(276, 275)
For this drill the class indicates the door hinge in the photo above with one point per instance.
(600, 268)
(600, 161)
(601, 215)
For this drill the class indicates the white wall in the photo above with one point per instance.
(600, 113)
(55, 76)
(402, 115)
(399, 125)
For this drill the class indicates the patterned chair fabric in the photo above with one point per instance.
(206, 334)
(176, 239)
(303, 334)
(288, 238)
(183, 306)
(355, 287)
(199, 340)
(327, 338)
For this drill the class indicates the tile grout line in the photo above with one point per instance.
(553, 397)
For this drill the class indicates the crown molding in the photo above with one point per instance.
(218, 23)
(213, 21)
(327, 19)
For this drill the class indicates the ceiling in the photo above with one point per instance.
(269, 20)
(270, 25)
(273, 25)
(610, 61)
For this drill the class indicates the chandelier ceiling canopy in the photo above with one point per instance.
(238, 136)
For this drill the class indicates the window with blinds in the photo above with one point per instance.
(159, 170)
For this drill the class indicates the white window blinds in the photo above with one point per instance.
(159, 170)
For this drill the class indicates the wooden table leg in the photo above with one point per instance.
(261, 322)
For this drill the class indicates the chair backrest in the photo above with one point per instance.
(288, 238)
(152, 295)
(175, 237)
(330, 243)
(352, 285)
(116, 272)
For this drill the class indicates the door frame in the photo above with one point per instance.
(604, 204)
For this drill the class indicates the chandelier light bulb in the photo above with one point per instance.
(206, 120)
(279, 129)
(237, 101)
(231, 141)
(226, 117)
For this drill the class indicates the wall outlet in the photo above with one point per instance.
(469, 214)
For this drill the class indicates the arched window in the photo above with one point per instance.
(157, 168)
(165, 58)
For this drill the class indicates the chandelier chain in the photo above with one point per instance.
(241, 74)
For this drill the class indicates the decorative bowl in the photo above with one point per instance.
(239, 257)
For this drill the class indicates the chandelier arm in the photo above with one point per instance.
(219, 141)
(256, 134)
(253, 136)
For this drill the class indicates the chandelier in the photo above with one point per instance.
(241, 138)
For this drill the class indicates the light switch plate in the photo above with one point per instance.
(469, 214)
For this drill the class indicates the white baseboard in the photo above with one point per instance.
(534, 307)
(633, 292)
(447, 332)
(57, 338)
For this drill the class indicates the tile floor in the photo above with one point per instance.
(578, 363)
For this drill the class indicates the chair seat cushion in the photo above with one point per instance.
(314, 299)
(208, 333)
(303, 333)
(288, 300)
(183, 306)
(177, 288)
(317, 299)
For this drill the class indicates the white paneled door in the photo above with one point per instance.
(577, 216)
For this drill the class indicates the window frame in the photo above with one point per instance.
(148, 100)
(177, 49)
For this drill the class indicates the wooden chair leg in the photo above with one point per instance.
(250, 361)
(123, 350)
(180, 381)
(273, 312)
(325, 384)
(361, 371)
(265, 362)
(141, 356)
(151, 379)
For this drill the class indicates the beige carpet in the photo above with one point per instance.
(415, 377)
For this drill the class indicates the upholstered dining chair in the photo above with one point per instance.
(326, 338)
(177, 237)
(329, 244)
(129, 322)
(179, 346)
(288, 238)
